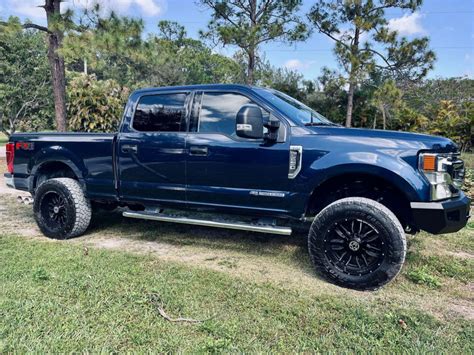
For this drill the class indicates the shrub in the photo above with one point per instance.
(95, 105)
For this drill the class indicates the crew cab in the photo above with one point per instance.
(253, 159)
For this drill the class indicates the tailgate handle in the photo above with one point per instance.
(195, 150)
(129, 148)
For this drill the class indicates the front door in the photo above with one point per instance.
(152, 152)
(224, 170)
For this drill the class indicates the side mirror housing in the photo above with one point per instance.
(249, 122)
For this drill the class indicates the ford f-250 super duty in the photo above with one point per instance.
(253, 153)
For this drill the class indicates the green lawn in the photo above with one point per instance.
(54, 297)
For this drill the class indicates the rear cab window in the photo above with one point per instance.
(161, 113)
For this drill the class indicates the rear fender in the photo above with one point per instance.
(56, 153)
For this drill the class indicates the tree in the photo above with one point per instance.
(56, 25)
(282, 79)
(112, 46)
(364, 42)
(25, 95)
(249, 23)
(387, 97)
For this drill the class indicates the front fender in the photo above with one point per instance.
(392, 169)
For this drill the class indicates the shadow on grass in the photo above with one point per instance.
(290, 248)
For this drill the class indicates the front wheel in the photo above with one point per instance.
(357, 243)
(61, 208)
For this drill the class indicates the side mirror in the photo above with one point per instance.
(249, 122)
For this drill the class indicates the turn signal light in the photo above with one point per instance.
(429, 162)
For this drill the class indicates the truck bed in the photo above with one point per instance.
(89, 155)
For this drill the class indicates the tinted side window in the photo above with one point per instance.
(219, 110)
(161, 113)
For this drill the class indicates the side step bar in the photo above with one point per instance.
(262, 228)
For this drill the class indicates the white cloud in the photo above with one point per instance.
(296, 64)
(149, 7)
(146, 8)
(407, 24)
(28, 8)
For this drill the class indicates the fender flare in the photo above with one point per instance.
(395, 171)
(59, 154)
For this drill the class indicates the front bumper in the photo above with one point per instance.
(441, 217)
(9, 180)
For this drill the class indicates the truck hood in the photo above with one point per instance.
(386, 139)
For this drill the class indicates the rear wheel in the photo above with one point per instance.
(357, 243)
(61, 208)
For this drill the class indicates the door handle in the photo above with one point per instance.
(201, 151)
(129, 148)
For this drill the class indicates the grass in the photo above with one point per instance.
(56, 296)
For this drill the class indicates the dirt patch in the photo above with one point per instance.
(464, 310)
(461, 254)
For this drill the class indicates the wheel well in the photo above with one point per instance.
(361, 185)
(52, 170)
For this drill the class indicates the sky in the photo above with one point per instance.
(448, 23)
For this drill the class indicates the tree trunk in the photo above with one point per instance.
(350, 104)
(353, 73)
(384, 118)
(56, 63)
(251, 67)
(252, 47)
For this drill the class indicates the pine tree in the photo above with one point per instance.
(364, 42)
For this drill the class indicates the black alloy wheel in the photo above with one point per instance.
(354, 246)
(53, 210)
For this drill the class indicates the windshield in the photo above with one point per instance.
(293, 108)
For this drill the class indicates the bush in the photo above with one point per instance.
(95, 105)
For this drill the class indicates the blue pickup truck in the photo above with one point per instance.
(265, 161)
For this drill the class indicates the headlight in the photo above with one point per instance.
(444, 172)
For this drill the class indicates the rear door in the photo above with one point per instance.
(151, 151)
(224, 170)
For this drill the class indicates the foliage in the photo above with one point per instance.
(112, 47)
(250, 23)
(386, 99)
(448, 122)
(95, 105)
(25, 91)
(364, 42)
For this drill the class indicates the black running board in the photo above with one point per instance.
(261, 228)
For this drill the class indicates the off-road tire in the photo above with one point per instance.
(334, 221)
(61, 208)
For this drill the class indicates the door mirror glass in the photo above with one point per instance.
(249, 122)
